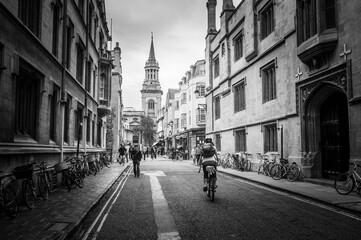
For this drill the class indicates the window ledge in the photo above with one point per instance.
(318, 45)
(24, 139)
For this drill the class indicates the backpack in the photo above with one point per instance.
(208, 150)
(122, 150)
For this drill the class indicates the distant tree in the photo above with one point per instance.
(147, 130)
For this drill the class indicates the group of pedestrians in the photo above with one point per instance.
(152, 151)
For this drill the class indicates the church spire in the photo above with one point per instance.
(151, 52)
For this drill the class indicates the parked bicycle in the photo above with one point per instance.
(263, 164)
(245, 162)
(28, 188)
(226, 160)
(8, 200)
(282, 169)
(346, 182)
(70, 175)
(44, 185)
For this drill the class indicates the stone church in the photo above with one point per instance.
(151, 91)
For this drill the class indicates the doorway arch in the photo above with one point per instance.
(326, 129)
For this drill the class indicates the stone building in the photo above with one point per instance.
(185, 110)
(55, 73)
(131, 119)
(116, 101)
(283, 76)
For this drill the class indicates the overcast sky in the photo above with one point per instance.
(179, 29)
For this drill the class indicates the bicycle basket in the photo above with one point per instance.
(59, 167)
(25, 171)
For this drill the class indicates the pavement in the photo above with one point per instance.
(58, 216)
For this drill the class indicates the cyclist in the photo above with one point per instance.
(122, 151)
(208, 155)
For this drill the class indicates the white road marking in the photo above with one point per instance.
(163, 217)
(121, 184)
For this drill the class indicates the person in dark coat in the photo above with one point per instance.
(137, 157)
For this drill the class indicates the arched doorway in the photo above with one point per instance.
(326, 130)
(334, 134)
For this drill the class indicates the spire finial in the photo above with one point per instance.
(152, 36)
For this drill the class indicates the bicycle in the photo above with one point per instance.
(263, 164)
(211, 182)
(27, 187)
(226, 160)
(346, 182)
(245, 163)
(282, 169)
(8, 200)
(43, 181)
(69, 173)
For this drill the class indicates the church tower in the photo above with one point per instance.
(151, 90)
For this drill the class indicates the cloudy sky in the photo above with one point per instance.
(179, 28)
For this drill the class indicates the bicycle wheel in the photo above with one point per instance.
(293, 172)
(43, 186)
(9, 200)
(212, 188)
(66, 179)
(277, 170)
(269, 167)
(106, 162)
(344, 183)
(28, 193)
(78, 180)
(260, 169)
(209, 188)
(248, 166)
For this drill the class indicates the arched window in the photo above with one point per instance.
(151, 104)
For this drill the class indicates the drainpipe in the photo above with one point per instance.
(64, 62)
(86, 115)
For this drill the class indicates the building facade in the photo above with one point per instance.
(151, 90)
(282, 76)
(115, 137)
(55, 73)
(185, 110)
(131, 119)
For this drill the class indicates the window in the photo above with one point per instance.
(176, 105)
(68, 107)
(89, 74)
(90, 19)
(239, 97)
(190, 118)
(216, 67)
(201, 88)
(81, 7)
(269, 83)
(96, 22)
(309, 13)
(183, 120)
(101, 86)
(306, 20)
(270, 138)
(176, 123)
(151, 104)
(238, 46)
(78, 122)
(218, 142)
(53, 100)
(1, 57)
(56, 22)
(189, 96)
(267, 20)
(240, 136)
(184, 98)
(217, 107)
(93, 132)
(94, 80)
(29, 13)
(201, 115)
(79, 62)
(88, 121)
(101, 39)
(69, 40)
(26, 102)
(99, 132)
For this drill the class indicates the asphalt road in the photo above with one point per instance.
(167, 202)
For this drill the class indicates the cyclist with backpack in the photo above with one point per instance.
(208, 155)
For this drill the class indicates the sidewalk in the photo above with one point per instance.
(57, 216)
(318, 190)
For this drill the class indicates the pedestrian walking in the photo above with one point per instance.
(122, 151)
(131, 151)
(145, 149)
(197, 153)
(137, 157)
(153, 153)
